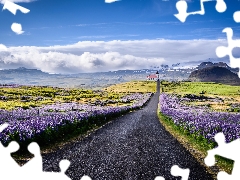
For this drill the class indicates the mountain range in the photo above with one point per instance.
(175, 72)
(215, 74)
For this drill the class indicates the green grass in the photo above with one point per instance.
(33, 96)
(201, 87)
(26, 96)
(196, 145)
(133, 86)
(229, 94)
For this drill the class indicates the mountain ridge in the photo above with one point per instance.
(215, 74)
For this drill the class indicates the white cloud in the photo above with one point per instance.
(18, 1)
(3, 47)
(94, 56)
(111, 1)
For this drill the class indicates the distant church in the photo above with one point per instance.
(153, 77)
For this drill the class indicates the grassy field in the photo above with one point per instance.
(210, 89)
(132, 87)
(227, 97)
(34, 96)
(219, 98)
(30, 102)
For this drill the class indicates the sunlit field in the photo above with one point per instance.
(216, 96)
(17, 96)
(133, 87)
(49, 114)
(198, 111)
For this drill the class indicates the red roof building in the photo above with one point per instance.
(153, 77)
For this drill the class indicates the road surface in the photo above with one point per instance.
(134, 146)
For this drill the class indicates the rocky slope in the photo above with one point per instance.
(218, 64)
(215, 74)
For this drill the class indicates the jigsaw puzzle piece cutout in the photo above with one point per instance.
(159, 178)
(35, 164)
(177, 171)
(64, 164)
(222, 150)
(225, 176)
(227, 150)
(31, 170)
(86, 178)
(182, 6)
(10, 165)
(3, 126)
(222, 51)
(221, 6)
(5, 155)
(12, 7)
(182, 11)
(236, 16)
(111, 1)
(17, 28)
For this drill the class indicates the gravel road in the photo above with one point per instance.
(134, 146)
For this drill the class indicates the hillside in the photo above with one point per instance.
(215, 74)
(218, 64)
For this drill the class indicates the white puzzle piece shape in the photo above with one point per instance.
(7, 164)
(223, 51)
(229, 151)
(111, 1)
(182, 9)
(32, 169)
(12, 7)
(159, 178)
(17, 28)
(35, 164)
(177, 171)
(3, 126)
(236, 16)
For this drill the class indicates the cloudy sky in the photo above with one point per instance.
(73, 36)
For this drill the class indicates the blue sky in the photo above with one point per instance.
(52, 22)
(68, 24)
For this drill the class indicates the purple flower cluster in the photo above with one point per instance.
(200, 120)
(3, 98)
(131, 97)
(27, 124)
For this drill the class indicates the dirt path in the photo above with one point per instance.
(134, 146)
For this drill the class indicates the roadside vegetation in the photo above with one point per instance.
(195, 111)
(218, 97)
(18, 96)
(51, 115)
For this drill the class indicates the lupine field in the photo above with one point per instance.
(193, 107)
(198, 120)
(61, 116)
(193, 112)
